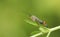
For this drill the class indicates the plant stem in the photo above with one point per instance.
(52, 29)
(55, 28)
(37, 34)
(48, 34)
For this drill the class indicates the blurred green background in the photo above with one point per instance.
(13, 13)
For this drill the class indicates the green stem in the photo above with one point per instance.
(37, 34)
(48, 34)
(52, 29)
(55, 28)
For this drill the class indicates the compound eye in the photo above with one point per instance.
(33, 18)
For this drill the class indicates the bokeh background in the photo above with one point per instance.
(13, 13)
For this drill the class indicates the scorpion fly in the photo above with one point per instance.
(37, 20)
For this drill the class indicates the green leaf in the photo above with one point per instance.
(31, 22)
(35, 32)
(44, 29)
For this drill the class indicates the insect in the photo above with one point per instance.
(37, 20)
